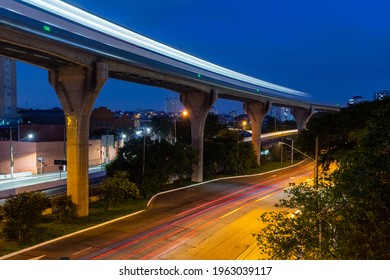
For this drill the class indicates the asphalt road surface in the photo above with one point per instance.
(209, 221)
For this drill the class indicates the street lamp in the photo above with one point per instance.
(184, 114)
(292, 149)
(314, 160)
(143, 155)
(309, 157)
(28, 136)
(244, 123)
(123, 139)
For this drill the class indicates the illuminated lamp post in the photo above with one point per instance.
(292, 149)
(184, 114)
(315, 160)
(244, 123)
(143, 155)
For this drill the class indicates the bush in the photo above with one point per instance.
(118, 188)
(65, 208)
(21, 212)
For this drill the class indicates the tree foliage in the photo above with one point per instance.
(337, 132)
(162, 126)
(363, 178)
(152, 164)
(64, 207)
(226, 154)
(21, 212)
(118, 188)
(306, 226)
(350, 216)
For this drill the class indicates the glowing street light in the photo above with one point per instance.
(244, 123)
(148, 130)
(29, 136)
(184, 114)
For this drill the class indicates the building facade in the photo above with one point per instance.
(379, 95)
(173, 105)
(8, 105)
(104, 119)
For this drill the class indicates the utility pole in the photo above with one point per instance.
(292, 151)
(11, 149)
(316, 165)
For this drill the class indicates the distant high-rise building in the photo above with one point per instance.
(8, 106)
(233, 113)
(173, 105)
(281, 113)
(354, 100)
(379, 95)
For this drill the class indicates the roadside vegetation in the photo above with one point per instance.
(347, 214)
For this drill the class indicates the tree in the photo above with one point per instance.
(182, 161)
(363, 178)
(118, 188)
(162, 126)
(162, 162)
(351, 215)
(227, 155)
(214, 156)
(21, 212)
(337, 131)
(306, 226)
(64, 207)
(212, 126)
(247, 155)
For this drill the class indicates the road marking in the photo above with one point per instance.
(81, 251)
(231, 212)
(38, 258)
(264, 197)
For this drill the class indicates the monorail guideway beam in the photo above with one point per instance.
(77, 88)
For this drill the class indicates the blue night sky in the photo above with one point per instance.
(330, 49)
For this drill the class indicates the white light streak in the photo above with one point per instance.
(91, 21)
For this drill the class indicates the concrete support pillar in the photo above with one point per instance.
(256, 112)
(198, 105)
(302, 116)
(77, 88)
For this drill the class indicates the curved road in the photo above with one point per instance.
(213, 220)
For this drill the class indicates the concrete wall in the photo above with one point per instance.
(26, 154)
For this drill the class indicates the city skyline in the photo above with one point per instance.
(331, 50)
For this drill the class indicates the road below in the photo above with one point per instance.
(210, 221)
(41, 182)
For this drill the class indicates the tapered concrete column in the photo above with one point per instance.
(302, 116)
(77, 88)
(256, 112)
(198, 105)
